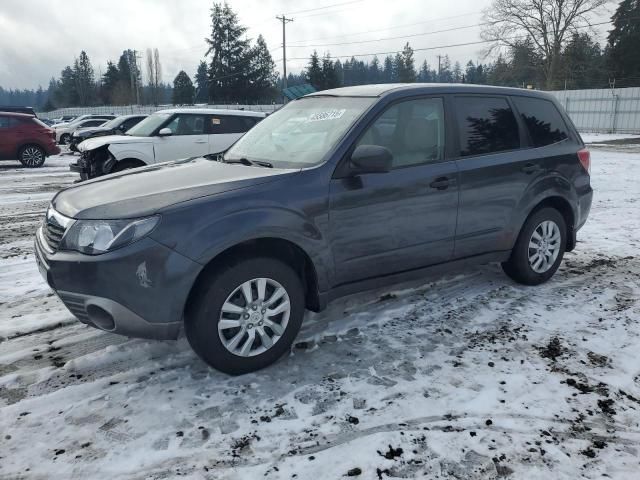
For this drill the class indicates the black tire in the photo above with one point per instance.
(518, 267)
(201, 322)
(32, 156)
(123, 165)
(64, 139)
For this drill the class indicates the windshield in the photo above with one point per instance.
(113, 123)
(300, 134)
(149, 125)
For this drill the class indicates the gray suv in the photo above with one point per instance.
(340, 191)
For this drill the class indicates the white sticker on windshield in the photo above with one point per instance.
(328, 115)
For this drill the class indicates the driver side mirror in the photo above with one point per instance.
(165, 132)
(370, 159)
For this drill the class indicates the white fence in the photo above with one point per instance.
(615, 110)
(611, 110)
(130, 109)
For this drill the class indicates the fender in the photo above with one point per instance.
(243, 225)
(552, 184)
(142, 152)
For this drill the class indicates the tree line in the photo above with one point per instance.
(237, 70)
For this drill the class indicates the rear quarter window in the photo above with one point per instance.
(230, 124)
(542, 119)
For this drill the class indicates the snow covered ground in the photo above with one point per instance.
(469, 376)
(607, 137)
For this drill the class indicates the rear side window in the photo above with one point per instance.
(228, 124)
(544, 122)
(486, 125)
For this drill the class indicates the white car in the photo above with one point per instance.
(65, 130)
(166, 135)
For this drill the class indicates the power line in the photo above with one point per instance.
(388, 28)
(447, 46)
(396, 38)
(322, 8)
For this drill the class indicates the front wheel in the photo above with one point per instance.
(32, 156)
(539, 249)
(246, 315)
(65, 138)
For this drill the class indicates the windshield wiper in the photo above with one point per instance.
(246, 161)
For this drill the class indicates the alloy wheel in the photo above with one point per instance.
(254, 317)
(544, 246)
(32, 157)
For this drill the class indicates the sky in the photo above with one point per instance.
(38, 38)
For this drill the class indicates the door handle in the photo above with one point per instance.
(529, 168)
(440, 183)
(201, 141)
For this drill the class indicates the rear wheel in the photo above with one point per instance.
(539, 248)
(64, 139)
(246, 315)
(32, 156)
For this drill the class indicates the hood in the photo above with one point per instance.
(145, 191)
(93, 143)
(83, 132)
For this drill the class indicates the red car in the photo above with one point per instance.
(23, 137)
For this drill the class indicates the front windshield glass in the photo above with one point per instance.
(113, 123)
(300, 134)
(149, 125)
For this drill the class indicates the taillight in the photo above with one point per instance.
(585, 159)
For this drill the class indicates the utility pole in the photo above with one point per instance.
(439, 69)
(284, 21)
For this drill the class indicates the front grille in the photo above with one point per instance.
(52, 234)
(75, 304)
(53, 228)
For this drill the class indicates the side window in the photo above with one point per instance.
(94, 123)
(228, 124)
(127, 124)
(186, 124)
(412, 130)
(486, 125)
(4, 122)
(542, 119)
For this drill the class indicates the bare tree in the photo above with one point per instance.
(154, 72)
(549, 24)
(157, 79)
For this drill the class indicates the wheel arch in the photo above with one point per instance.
(562, 205)
(274, 247)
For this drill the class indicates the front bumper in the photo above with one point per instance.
(139, 290)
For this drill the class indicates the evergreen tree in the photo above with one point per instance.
(314, 71)
(329, 76)
(230, 55)
(387, 73)
(337, 66)
(84, 78)
(375, 74)
(202, 90)
(456, 74)
(66, 93)
(445, 75)
(624, 39)
(583, 64)
(183, 89)
(426, 75)
(263, 72)
(109, 82)
(405, 65)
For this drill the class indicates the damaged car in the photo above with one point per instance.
(166, 135)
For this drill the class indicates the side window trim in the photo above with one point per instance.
(456, 155)
(339, 171)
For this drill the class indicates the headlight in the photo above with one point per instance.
(99, 236)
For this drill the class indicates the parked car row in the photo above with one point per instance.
(165, 135)
(339, 191)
